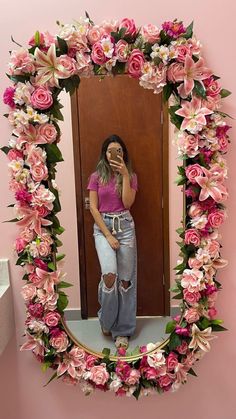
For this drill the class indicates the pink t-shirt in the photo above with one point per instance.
(108, 198)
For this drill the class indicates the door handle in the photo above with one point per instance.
(86, 202)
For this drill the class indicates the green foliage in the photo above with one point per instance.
(53, 153)
(170, 327)
(5, 149)
(62, 46)
(175, 341)
(70, 84)
(62, 302)
(224, 93)
(199, 89)
(64, 284)
(189, 31)
(175, 119)
(167, 90)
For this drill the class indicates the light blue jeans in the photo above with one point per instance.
(118, 303)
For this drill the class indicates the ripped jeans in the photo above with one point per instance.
(118, 301)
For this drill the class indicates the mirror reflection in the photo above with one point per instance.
(121, 172)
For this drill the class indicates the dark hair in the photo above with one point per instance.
(103, 167)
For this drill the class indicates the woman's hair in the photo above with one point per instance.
(103, 167)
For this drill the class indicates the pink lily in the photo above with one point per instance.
(48, 67)
(193, 71)
(211, 185)
(200, 338)
(32, 220)
(193, 114)
(35, 345)
(71, 361)
(49, 279)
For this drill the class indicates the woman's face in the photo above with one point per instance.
(117, 146)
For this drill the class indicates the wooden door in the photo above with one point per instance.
(119, 105)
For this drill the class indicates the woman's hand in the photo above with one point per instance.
(113, 242)
(119, 166)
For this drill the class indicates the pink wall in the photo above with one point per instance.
(212, 394)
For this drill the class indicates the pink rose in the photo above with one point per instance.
(44, 249)
(192, 236)
(20, 244)
(90, 361)
(216, 218)
(41, 264)
(182, 349)
(60, 342)
(213, 247)
(191, 297)
(172, 361)
(135, 63)
(181, 51)
(69, 65)
(195, 210)
(223, 143)
(212, 87)
(192, 171)
(8, 97)
(164, 381)
(42, 210)
(175, 72)
(97, 54)
(133, 377)
(39, 172)
(14, 154)
(28, 292)
(35, 310)
(95, 33)
(192, 315)
(129, 24)
(52, 318)
(150, 373)
(121, 50)
(99, 374)
(150, 33)
(47, 132)
(212, 312)
(41, 98)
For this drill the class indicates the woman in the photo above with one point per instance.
(112, 193)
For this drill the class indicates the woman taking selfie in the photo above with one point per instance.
(112, 188)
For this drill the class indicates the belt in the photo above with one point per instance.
(117, 217)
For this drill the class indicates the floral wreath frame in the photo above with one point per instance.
(167, 60)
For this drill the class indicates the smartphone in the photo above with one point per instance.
(114, 154)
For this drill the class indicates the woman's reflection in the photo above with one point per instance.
(112, 189)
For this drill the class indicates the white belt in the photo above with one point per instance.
(116, 217)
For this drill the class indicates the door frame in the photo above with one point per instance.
(80, 205)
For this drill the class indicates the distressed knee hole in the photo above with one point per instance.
(109, 280)
(125, 284)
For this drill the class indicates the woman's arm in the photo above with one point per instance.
(128, 193)
(93, 197)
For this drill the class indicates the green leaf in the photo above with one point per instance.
(165, 39)
(204, 323)
(87, 15)
(170, 327)
(224, 114)
(175, 341)
(216, 321)
(64, 284)
(62, 302)
(70, 84)
(175, 119)
(225, 93)
(60, 256)
(136, 393)
(13, 220)
(106, 352)
(53, 153)
(199, 89)
(218, 328)
(19, 78)
(189, 31)
(167, 90)
(52, 378)
(5, 149)
(45, 366)
(192, 372)
(10, 206)
(52, 266)
(178, 297)
(37, 38)
(59, 230)
(63, 47)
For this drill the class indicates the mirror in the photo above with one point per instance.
(142, 120)
(166, 60)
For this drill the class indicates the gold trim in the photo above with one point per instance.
(112, 357)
